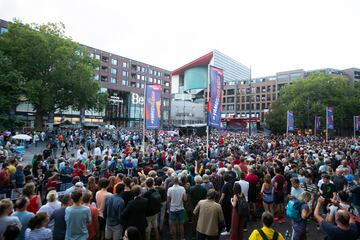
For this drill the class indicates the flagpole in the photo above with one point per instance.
(315, 127)
(144, 115)
(207, 125)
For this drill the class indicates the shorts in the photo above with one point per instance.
(279, 199)
(152, 222)
(176, 216)
(113, 232)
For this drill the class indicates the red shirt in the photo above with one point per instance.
(252, 179)
(280, 180)
(91, 226)
(243, 167)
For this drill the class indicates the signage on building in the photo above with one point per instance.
(137, 99)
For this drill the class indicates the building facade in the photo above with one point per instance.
(124, 80)
(190, 82)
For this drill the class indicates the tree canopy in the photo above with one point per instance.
(57, 73)
(309, 97)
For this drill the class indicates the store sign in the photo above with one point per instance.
(137, 99)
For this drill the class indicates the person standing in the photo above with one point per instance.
(37, 228)
(279, 183)
(135, 212)
(6, 207)
(299, 226)
(237, 221)
(114, 205)
(77, 218)
(267, 231)
(101, 196)
(58, 216)
(93, 226)
(210, 216)
(225, 201)
(153, 209)
(176, 197)
(23, 215)
(196, 194)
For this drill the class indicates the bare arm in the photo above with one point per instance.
(222, 198)
(234, 201)
(317, 214)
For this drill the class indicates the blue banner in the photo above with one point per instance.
(153, 106)
(216, 96)
(357, 123)
(317, 123)
(330, 118)
(290, 121)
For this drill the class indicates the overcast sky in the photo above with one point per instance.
(269, 35)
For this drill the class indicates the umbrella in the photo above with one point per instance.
(22, 137)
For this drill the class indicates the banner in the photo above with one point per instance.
(216, 96)
(357, 123)
(317, 124)
(290, 121)
(329, 118)
(152, 106)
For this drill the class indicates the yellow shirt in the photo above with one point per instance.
(12, 169)
(269, 232)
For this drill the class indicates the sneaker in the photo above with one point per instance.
(225, 233)
(317, 227)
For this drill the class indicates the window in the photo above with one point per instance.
(138, 76)
(114, 61)
(166, 102)
(243, 98)
(133, 84)
(138, 68)
(125, 74)
(167, 84)
(104, 78)
(150, 71)
(113, 71)
(3, 30)
(138, 85)
(97, 56)
(143, 78)
(125, 82)
(159, 74)
(159, 81)
(150, 79)
(230, 107)
(282, 78)
(166, 91)
(142, 69)
(125, 65)
(230, 99)
(166, 115)
(142, 85)
(231, 92)
(105, 59)
(96, 77)
(155, 72)
(113, 80)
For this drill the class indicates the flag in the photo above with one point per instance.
(153, 106)
(216, 96)
(357, 123)
(290, 121)
(329, 118)
(317, 123)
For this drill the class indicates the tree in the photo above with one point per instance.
(56, 70)
(11, 82)
(309, 97)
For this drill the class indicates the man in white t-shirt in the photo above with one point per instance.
(176, 196)
(244, 185)
(97, 151)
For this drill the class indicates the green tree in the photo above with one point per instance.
(56, 70)
(309, 97)
(11, 82)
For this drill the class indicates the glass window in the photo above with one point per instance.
(97, 56)
(166, 103)
(231, 92)
(166, 115)
(114, 61)
(138, 85)
(142, 85)
(142, 69)
(138, 68)
(150, 79)
(125, 74)
(167, 84)
(150, 71)
(159, 74)
(155, 72)
(143, 78)
(96, 77)
(125, 82)
(113, 71)
(3, 30)
(113, 80)
(125, 65)
(138, 76)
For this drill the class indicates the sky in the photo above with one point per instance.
(268, 35)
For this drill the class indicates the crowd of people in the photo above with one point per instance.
(105, 184)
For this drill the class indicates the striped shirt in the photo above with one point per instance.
(38, 234)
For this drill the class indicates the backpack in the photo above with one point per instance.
(154, 205)
(264, 237)
(293, 210)
(242, 207)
